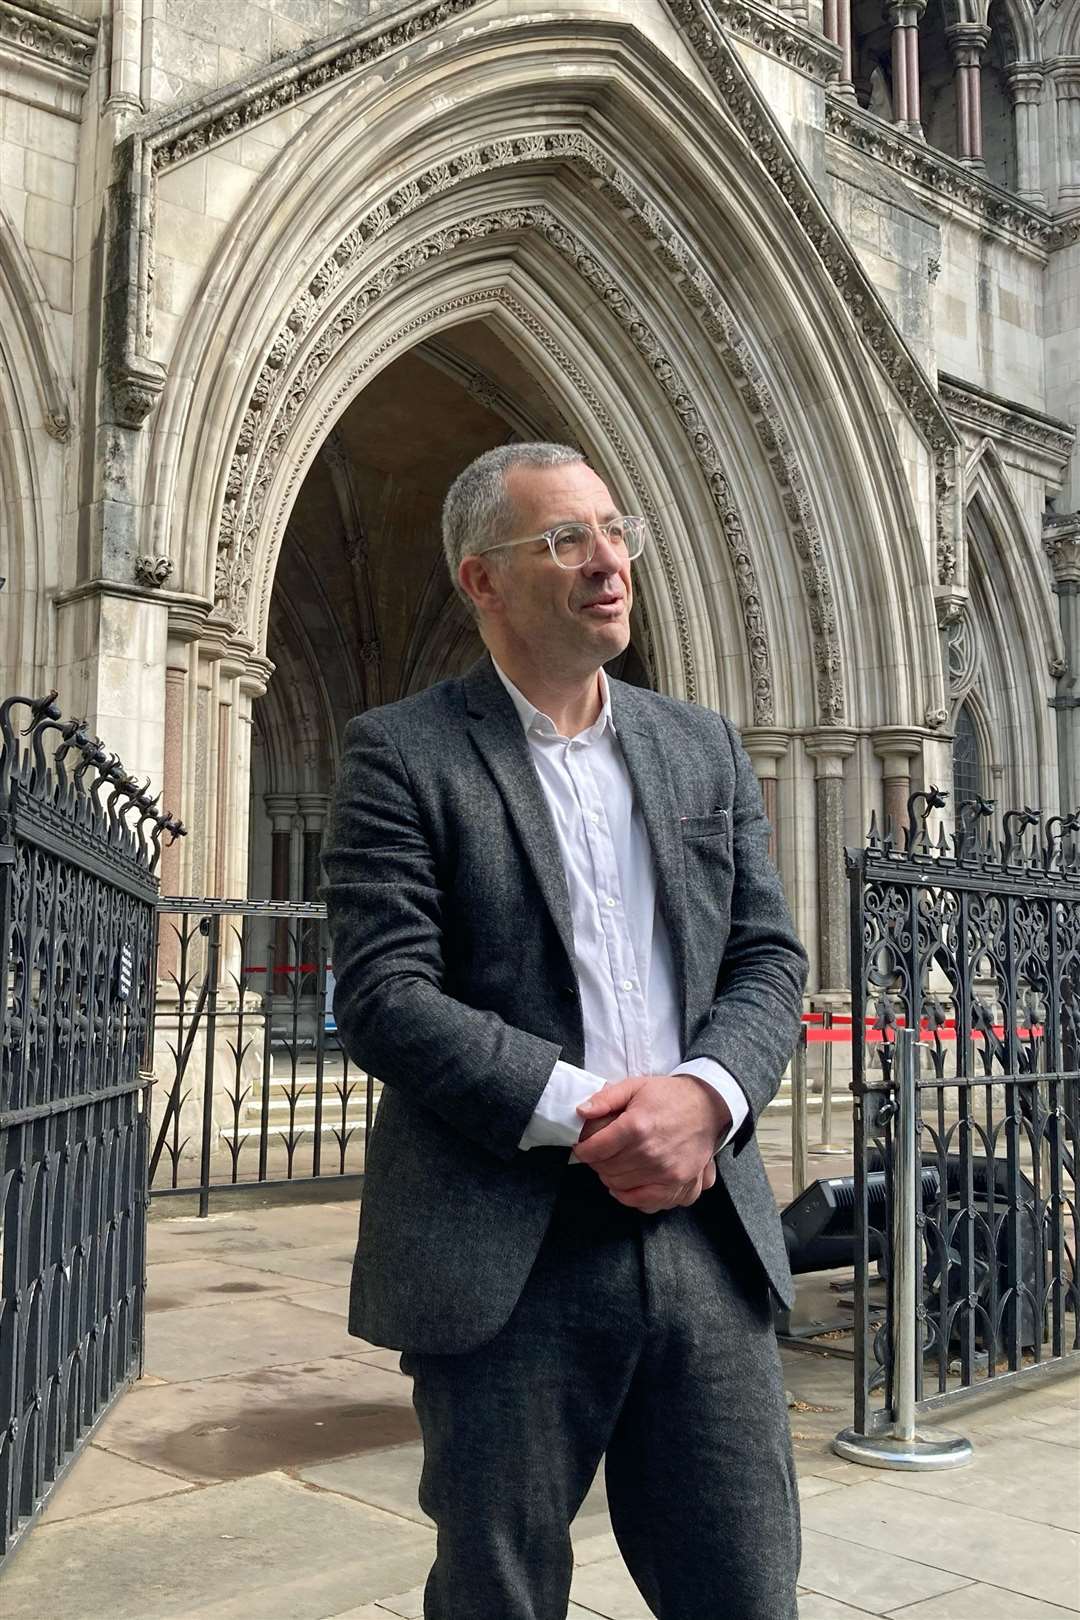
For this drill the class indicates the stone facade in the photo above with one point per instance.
(804, 285)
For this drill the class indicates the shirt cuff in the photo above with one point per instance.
(556, 1121)
(715, 1075)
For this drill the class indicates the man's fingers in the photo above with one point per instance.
(615, 1137)
(708, 1175)
(608, 1100)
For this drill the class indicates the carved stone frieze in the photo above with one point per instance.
(1061, 541)
(763, 28)
(1002, 419)
(947, 178)
(54, 38)
(260, 439)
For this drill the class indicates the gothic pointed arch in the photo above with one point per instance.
(757, 441)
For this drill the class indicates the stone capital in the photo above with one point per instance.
(281, 808)
(313, 807)
(896, 746)
(1061, 542)
(829, 748)
(1065, 78)
(765, 745)
(1024, 83)
(967, 41)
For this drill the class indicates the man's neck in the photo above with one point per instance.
(571, 703)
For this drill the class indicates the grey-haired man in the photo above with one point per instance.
(560, 944)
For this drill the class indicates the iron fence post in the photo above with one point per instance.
(798, 1115)
(904, 1446)
(213, 939)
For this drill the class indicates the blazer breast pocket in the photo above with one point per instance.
(716, 825)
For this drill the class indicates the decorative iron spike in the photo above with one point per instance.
(918, 837)
(1015, 824)
(873, 838)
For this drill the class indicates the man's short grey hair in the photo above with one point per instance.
(478, 511)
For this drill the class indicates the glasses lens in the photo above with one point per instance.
(629, 533)
(572, 545)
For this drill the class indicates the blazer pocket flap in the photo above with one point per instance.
(718, 825)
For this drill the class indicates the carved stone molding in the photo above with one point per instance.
(948, 179)
(1003, 419)
(766, 30)
(306, 73)
(747, 105)
(152, 571)
(136, 387)
(52, 37)
(460, 307)
(1061, 541)
(242, 512)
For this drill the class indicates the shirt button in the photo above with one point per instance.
(593, 816)
(610, 901)
(628, 984)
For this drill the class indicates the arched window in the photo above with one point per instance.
(968, 777)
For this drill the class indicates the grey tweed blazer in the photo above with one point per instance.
(454, 959)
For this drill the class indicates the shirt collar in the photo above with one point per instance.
(535, 721)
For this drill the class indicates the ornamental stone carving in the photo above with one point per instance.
(152, 571)
(577, 151)
(56, 38)
(1061, 541)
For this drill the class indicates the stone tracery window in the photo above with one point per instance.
(968, 775)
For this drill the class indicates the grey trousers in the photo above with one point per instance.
(646, 1340)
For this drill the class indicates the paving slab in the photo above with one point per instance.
(238, 1336)
(200, 1280)
(974, 1542)
(251, 1548)
(321, 1262)
(607, 1588)
(272, 1418)
(314, 1296)
(812, 1606)
(99, 1480)
(979, 1602)
(867, 1579)
(1028, 1479)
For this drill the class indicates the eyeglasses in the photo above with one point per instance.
(572, 545)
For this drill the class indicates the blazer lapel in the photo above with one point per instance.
(497, 733)
(646, 760)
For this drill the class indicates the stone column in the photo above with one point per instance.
(281, 808)
(766, 747)
(1025, 86)
(967, 41)
(903, 18)
(313, 808)
(1061, 537)
(896, 747)
(1067, 99)
(837, 28)
(829, 748)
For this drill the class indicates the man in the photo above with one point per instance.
(560, 945)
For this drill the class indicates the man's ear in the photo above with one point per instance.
(477, 578)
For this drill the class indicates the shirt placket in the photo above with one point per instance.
(627, 995)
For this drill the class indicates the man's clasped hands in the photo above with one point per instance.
(651, 1139)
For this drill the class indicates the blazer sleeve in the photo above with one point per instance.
(385, 908)
(753, 1024)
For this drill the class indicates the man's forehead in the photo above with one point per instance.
(560, 491)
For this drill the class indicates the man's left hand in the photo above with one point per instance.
(651, 1132)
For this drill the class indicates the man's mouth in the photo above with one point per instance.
(603, 605)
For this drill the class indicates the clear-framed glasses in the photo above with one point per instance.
(572, 545)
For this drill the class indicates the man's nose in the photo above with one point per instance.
(606, 558)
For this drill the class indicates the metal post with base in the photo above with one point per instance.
(905, 1446)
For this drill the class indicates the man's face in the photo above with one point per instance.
(574, 620)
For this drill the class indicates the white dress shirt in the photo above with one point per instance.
(625, 970)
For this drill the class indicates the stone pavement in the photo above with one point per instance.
(266, 1469)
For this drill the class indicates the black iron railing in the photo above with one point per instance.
(973, 941)
(260, 1090)
(79, 840)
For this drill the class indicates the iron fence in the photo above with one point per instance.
(261, 1092)
(79, 841)
(971, 941)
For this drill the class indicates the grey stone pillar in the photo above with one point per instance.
(896, 747)
(828, 749)
(281, 808)
(903, 17)
(967, 41)
(766, 746)
(1061, 537)
(1025, 86)
(1066, 80)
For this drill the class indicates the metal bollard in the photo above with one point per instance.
(798, 1116)
(826, 1144)
(903, 1445)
